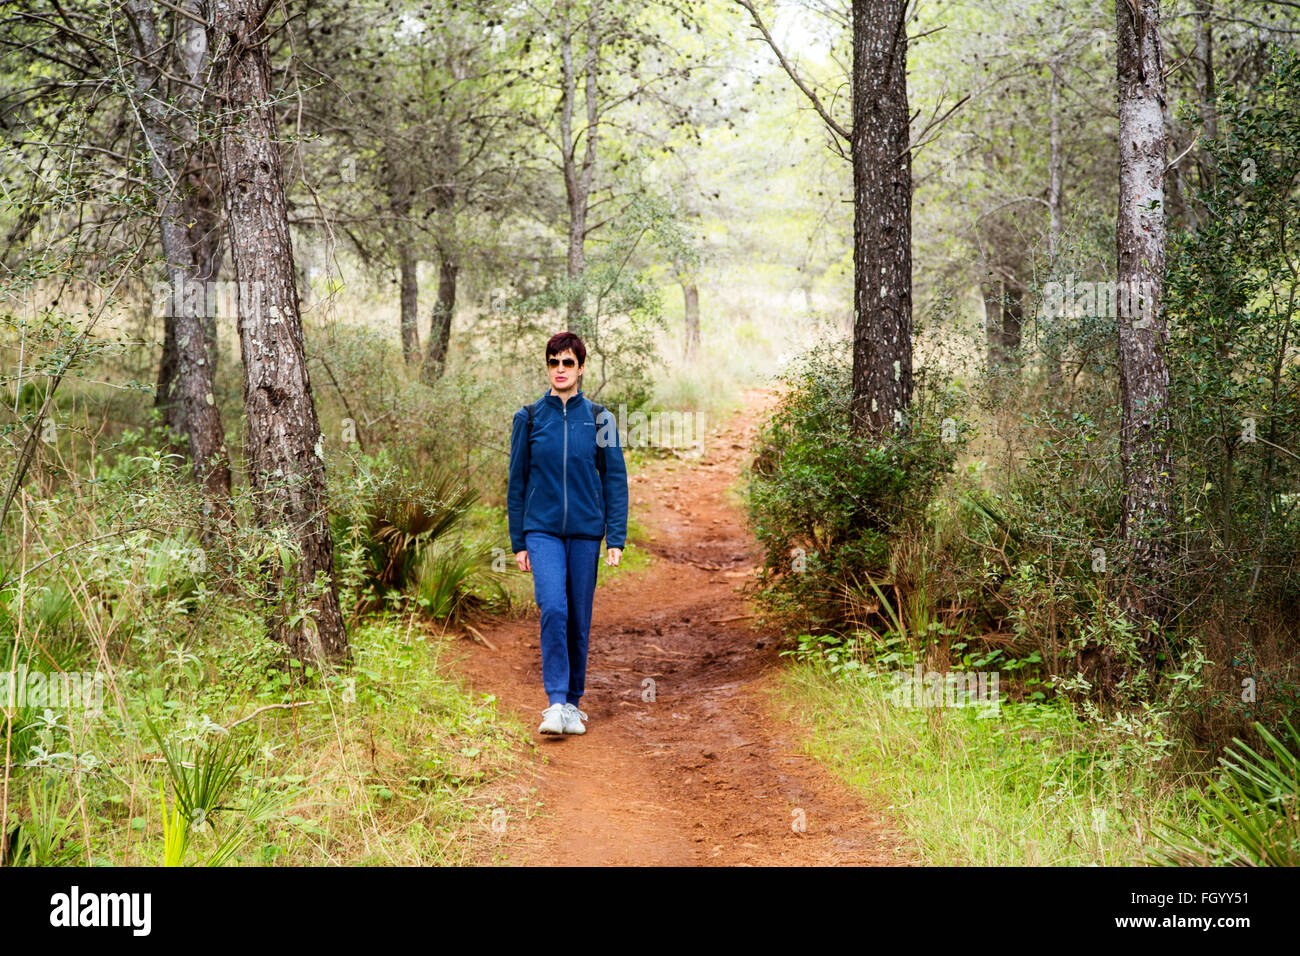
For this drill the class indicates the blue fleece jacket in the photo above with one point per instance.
(557, 482)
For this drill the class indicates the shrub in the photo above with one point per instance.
(827, 505)
(396, 522)
(453, 578)
(1252, 812)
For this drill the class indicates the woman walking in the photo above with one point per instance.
(567, 490)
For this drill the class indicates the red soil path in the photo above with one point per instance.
(703, 774)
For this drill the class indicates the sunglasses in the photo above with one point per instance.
(556, 363)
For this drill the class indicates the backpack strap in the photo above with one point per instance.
(528, 442)
(596, 412)
(530, 409)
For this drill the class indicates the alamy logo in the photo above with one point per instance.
(1100, 300)
(102, 909)
(920, 688)
(657, 429)
(60, 690)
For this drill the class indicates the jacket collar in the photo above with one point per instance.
(575, 399)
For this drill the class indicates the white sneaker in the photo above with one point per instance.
(553, 721)
(573, 719)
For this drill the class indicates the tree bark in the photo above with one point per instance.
(1013, 320)
(991, 292)
(207, 237)
(445, 195)
(579, 174)
(284, 444)
(1206, 90)
(1004, 315)
(400, 196)
(409, 305)
(443, 311)
(882, 218)
(186, 388)
(200, 210)
(164, 392)
(691, 308)
(1140, 238)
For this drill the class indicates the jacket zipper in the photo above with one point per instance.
(564, 472)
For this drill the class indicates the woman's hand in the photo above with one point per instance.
(521, 559)
(612, 556)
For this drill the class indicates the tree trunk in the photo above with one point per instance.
(576, 257)
(164, 392)
(200, 210)
(1013, 320)
(1140, 237)
(1004, 316)
(691, 307)
(408, 268)
(206, 239)
(1206, 90)
(991, 292)
(284, 444)
(186, 373)
(1055, 166)
(445, 197)
(579, 174)
(208, 259)
(882, 218)
(443, 311)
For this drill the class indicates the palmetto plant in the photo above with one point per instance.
(401, 520)
(1252, 813)
(45, 837)
(447, 575)
(203, 781)
(47, 648)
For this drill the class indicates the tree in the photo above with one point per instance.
(1030, 147)
(881, 153)
(1232, 296)
(1140, 242)
(190, 238)
(415, 101)
(284, 444)
(610, 56)
(134, 73)
(882, 218)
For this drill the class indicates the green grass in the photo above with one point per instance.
(391, 763)
(708, 387)
(1031, 786)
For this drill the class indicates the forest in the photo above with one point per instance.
(950, 344)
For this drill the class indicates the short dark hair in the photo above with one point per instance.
(562, 341)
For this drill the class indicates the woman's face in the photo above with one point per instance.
(563, 368)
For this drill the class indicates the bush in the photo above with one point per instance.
(453, 578)
(394, 521)
(828, 506)
(1234, 323)
(1252, 813)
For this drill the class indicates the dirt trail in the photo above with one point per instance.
(702, 774)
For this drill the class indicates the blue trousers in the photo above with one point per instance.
(564, 584)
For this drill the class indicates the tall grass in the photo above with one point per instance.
(394, 763)
(1029, 787)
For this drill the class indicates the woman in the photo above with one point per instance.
(567, 490)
